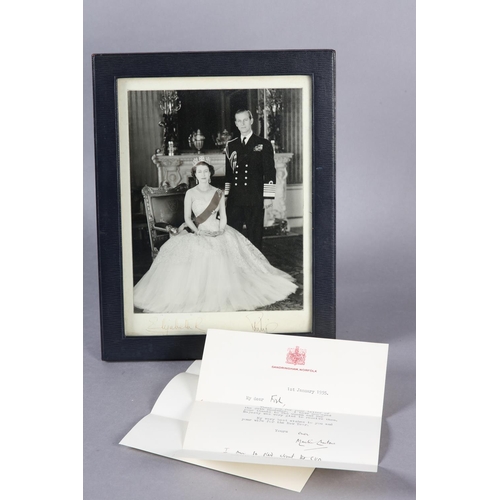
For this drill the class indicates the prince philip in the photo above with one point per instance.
(250, 179)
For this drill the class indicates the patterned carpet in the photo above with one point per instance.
(285, 253)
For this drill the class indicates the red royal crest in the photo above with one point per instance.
(296, 356)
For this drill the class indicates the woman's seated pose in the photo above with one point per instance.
(214, 268)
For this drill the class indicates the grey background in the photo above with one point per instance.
(375, 44)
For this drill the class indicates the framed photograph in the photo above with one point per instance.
(215, 190)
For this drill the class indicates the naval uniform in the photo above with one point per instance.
(250, 177)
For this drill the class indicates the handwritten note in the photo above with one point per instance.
(287, 400)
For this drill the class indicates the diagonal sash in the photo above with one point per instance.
(212, 206)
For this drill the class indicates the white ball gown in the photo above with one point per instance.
(198, 273)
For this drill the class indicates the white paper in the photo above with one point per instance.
(162, 433)
(288, 400)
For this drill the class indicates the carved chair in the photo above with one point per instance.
(164, 209)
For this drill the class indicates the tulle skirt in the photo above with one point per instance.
(210, 274)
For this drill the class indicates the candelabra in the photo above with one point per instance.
(269, 112)
(169, 105)
(274, 104)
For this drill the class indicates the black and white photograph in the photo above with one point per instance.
(215, 195)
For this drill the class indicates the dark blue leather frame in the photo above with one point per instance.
(107, 68)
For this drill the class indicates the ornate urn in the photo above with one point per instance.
(196, 140)
(221, 140)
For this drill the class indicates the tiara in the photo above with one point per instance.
(197, 160)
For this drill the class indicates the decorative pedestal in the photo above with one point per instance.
(278, 209)
(175, 170)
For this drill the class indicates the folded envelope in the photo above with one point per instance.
(162, 433)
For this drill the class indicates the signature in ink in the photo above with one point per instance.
(321, 443)
(178, 325)
(259, 324)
